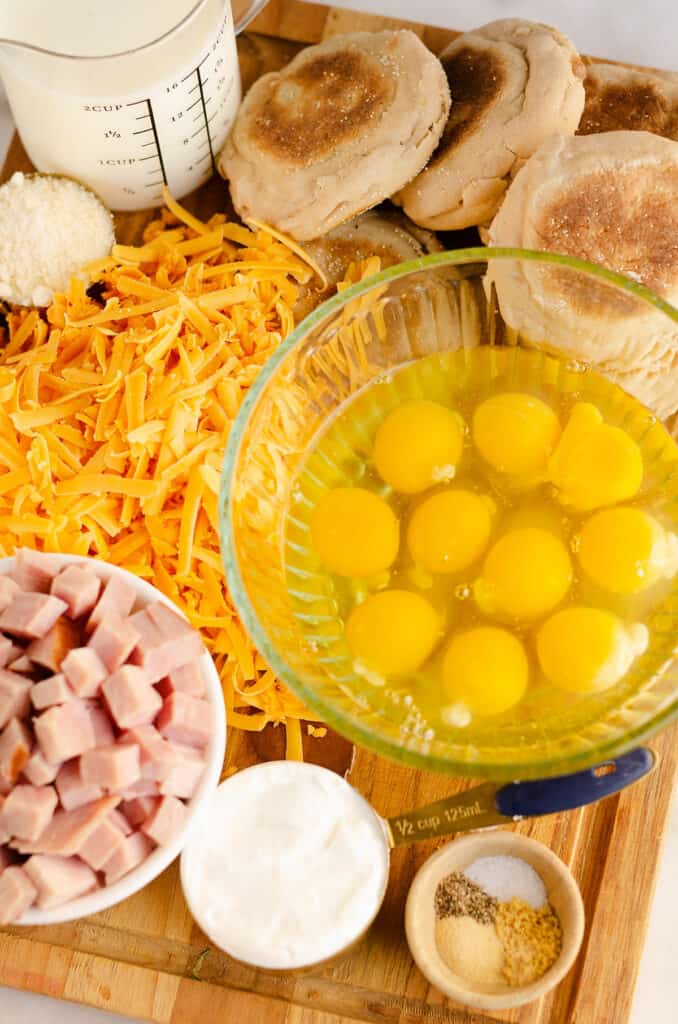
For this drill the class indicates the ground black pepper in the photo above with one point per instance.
(456, 896)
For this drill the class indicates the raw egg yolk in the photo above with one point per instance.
(594, 464)
(586, 650)
(485, 670)
(625, 550)
(516, 433)
(392, 632)
(450, 530)
(354, 532)
(417, 445)
(525, 575)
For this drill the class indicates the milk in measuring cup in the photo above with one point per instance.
(133, 94)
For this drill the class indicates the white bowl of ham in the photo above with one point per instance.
(112, 734)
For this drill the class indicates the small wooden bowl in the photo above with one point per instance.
(563, 895)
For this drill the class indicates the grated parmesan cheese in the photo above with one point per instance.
(49, 227)
(114, 411)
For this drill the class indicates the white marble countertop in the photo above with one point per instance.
(638, 33)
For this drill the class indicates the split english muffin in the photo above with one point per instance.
(624, 99)
(340, 128)
(513, 84)
(611, 199)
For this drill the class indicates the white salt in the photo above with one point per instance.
(507, 878)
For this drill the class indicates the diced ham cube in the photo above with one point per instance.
(116, 601)
(28, 810)
(73, 790)
(183, 778)
(114, 640)
(23, 665)
(8, 651)
(54, 690)
(131, 698)
(101, 844)
(15, 696)
(160, 652)
(65, 731)
(84, 670)
(51, 649)
(59, 879)
(165, 821)
(157, 755)
(15, 749)
(79, 587)
(68, 830)
(120, 822)
(113, 768)
(168, 621)
(17, 893)
(9, 588)
(38, 771)
(130, 853)
(185, 719)
(102, 725)
(31, 615)
(144, 787)
(139, 808)
(35, 570)
(6, 859)
(187, 679)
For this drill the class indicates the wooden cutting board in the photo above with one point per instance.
(146, 959)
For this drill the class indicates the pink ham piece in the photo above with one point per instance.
(23, 665)
(84, 670)
(144, 787)
(102, 843)
(8, 591)
(65, 731)
(116, 601)
(185, 719)
(102, 725)
(51, 649)
(17, 894)
(131, 699)
(68, 830)
(38, 771)
(114, 640)
(160, 651)
(157, 755)
(15, 749)
(165, 821)
(183, 778)
(186, 679)
(59, 879)
(8, 651)
(4, 834)
(73, 790)
(28, 811)
(35, 570)
(127, 855)
(31, 615)
(120, 822)
(79, 587)
(139, 809)
(113, 768)
(15, 696)
(54, 690)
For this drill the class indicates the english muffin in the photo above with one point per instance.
(343, 126)
(611, 199)
(385, 233)
(624, 99)
(513, 84)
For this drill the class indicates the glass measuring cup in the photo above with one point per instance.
(124, 97)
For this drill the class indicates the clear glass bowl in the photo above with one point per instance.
(444, 302)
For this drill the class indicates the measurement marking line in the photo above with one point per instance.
(212, 116)
(157, 141)
(136, 103)
(141, 117)
(196, 133)
(142, 131)
(194, 88)
(152, 183)
(153, 156)
(202, 145)
(204, 111)
(194, 104)
(145, 145)
(205, 157)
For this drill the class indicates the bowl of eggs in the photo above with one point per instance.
(453, 541)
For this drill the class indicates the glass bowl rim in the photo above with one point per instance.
(343, 723)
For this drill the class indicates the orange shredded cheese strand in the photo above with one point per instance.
(113, 422)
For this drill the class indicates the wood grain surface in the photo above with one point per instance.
(146, 959)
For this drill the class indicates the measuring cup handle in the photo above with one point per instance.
(566, 792)
(245, 11)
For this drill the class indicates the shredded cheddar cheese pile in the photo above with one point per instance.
(113, 421)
